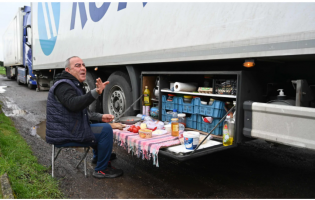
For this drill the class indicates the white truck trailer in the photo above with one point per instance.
(129, 43)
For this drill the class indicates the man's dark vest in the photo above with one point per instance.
(63, 125)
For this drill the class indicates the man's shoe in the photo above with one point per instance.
(109, 172)
(112, 157)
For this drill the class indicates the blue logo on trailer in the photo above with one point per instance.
(96, 13)
(48, 25)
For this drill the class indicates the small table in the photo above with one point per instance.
(148, 148)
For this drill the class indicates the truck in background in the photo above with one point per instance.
(18, 49)
(119, 41)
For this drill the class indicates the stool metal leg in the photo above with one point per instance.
(58, 152)
(85, 164)
(53, 160)
(85, 154)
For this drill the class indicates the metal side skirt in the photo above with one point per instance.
(289, 125)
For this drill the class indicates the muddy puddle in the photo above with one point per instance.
(40, 131)
(3, 89)
(13, 109)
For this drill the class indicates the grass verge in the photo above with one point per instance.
(29, 180)
(2, 70)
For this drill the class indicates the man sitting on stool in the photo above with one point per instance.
(68, 117)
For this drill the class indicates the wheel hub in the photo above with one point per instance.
(117, 101)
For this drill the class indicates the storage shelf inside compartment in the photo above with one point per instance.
(151, 82)
(225, 88)
(201, 94)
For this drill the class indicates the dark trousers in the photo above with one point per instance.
(103, 133)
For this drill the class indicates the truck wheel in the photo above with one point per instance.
(29, 85)
(89, 84)
(117, 95)
(7, 72)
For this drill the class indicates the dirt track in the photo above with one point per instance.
(252, 170)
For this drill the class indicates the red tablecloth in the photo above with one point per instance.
(146, 147)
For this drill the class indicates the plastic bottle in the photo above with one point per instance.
(231, 129)
(174, 114)
(281, 95)
(175, 127)
(146, 94)
(182, 119)
(227, 137)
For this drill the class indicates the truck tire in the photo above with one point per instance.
(89, 85)
(29, 85)
(8, 72)
(117, 95)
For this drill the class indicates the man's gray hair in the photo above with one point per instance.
(67, 63)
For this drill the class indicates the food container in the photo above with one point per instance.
(203, 102)
(168, 128)
(191, 139)
(206, 90)
(159, 132)
(170, 97)
(187, 98)
(145, 133)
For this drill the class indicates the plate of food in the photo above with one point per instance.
(159, 132)
(129, 120)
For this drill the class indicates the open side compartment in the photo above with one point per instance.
(287, 120)
(240, 90)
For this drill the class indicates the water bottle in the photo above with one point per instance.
(169, 113)
(174, 114)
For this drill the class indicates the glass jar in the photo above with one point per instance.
(182, 119)
(175, 127)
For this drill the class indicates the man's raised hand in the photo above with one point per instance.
(100, 86)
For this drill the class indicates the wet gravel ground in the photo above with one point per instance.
(252, 170)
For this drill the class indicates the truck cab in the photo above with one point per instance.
(18, 48)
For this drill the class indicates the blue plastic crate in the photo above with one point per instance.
(163, 102)
(207, 127)
(171, 105)
(216, 110)
(219, 129)
(201, 125)
(165, 116)
(186, 107)
(191, 122)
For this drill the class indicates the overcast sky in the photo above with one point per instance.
(7, 12)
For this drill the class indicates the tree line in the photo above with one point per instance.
(1, 63)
